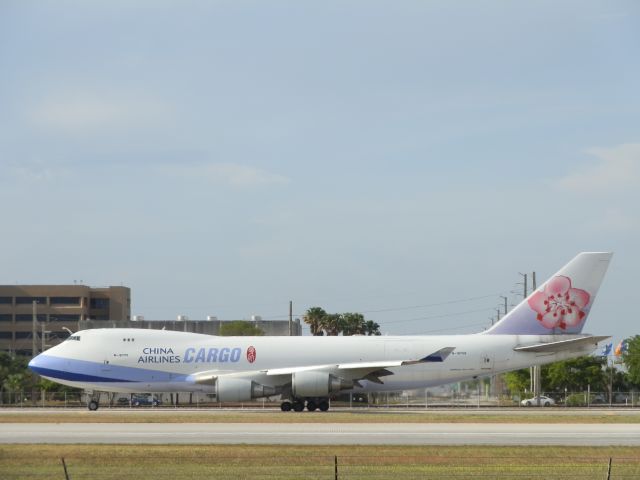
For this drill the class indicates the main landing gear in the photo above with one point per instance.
(312, 404)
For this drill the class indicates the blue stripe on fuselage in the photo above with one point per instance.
(83, 370)
(74, 377)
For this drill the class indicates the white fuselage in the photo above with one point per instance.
(137, 360)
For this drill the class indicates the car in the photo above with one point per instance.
(544, 401)
(139, 400)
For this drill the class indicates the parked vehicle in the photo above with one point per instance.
(544, 401)
(139, 400)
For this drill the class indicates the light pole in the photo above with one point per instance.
(505, 303)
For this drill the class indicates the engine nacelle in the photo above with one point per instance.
(229, 389)
(317, 384)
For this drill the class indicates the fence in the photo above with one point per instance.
(331, 467)
(396, 400)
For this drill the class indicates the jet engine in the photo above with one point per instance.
(230, 389)
(317, 384)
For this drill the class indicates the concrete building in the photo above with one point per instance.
(79, 307)
(56, 307)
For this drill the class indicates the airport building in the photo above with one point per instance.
(59, 309)
(55, 308)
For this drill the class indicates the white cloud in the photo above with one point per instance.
(82, 112)
(618, 168)
(232, 174)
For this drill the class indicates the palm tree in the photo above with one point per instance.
(314, 317)
(353, 324)
(332, 324)
(371, 328)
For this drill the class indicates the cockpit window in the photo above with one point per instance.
(74, 337)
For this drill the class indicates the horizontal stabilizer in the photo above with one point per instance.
(570, 344)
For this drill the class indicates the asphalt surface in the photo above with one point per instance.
(324, 434)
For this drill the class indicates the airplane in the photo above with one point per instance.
(307, 370)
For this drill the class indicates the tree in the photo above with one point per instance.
(314, 317)
(14, 382)
(575, 374)
(240, 328)
(518, 380)
(322, 323)
(5, 366)
(353, 324)
(371, 328)
(631, 359)
(332, 324)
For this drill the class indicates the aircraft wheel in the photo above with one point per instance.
(298, 406)
(323, 406)
(311, 406)
(93, 405)
(285, 406)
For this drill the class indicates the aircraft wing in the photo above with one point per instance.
(354, 371)
(438, 356)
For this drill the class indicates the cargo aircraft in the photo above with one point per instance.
(306, 371)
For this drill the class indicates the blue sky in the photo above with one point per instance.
(224, 158)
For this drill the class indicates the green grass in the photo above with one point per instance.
(354, 462)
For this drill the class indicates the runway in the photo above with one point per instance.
(324, 434)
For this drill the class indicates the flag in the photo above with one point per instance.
(606, 349)
(622, 347)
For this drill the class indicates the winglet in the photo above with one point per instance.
(439, 356)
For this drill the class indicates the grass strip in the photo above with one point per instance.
(292, 461)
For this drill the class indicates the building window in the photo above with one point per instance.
(6, 300)
(99, 303)
(30, 300)
(64, 318)
(22, 335)
(6, 335)
(6, 317)
(27, 317)
(65, 300)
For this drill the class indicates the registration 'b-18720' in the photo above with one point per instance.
(306, 371)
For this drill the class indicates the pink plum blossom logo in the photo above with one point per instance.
(251, 354)
(559, 305)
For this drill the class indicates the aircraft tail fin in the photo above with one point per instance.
(562, 303)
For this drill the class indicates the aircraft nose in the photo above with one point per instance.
(35, 362)
(40, 364)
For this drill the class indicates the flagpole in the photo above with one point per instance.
(610, 381)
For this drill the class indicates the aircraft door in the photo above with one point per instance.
(486, 361)
(106, 366)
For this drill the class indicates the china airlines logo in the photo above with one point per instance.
(251, 354)
(559, 305)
